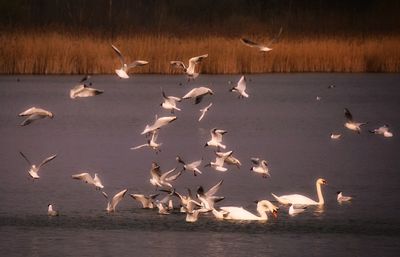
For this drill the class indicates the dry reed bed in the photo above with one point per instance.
(54, 53)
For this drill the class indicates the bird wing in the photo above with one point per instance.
(178, 64)
(84, 177)
(137, 63)
(47, 160)
(250, 43)
(174, 177)
(255, 160)
(197, 59)
(117, 198)
(241, 85)
(120, 56)
(139, 146)
(214, 189)
(26, 158)
(348, 115)
(31, 118)
(276, 37)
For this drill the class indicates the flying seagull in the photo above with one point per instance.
(190, 69)
(34, 170)
(123, 71)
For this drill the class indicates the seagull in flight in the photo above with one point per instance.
(240, 88)
(170, 102)
(383, 130)
(112, 205)
(87, 178)
(198, 93)
(261, 47)
(151, 143)
(34, 170)
(33, 114)
(123, 71)
(350, 123)
(204, 110)
(190, 69)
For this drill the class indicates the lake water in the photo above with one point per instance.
(281, 122)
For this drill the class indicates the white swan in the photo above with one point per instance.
(204, 110)
(240, 88)
(150, 143)
(112, 205)
(34, 170)
(190, 69)
(51, 211)
(123, 71)
(33, 114)
(350, 124)
(87, 178)
(170, 102)
(300, 199)
(193, 166)
(238, 213)
(198, 93)
(158, 123)
(383, 130)
(341, 198)
(261, 47)
(216, 138)
(158, 179)
(146, 201)
(262, 167)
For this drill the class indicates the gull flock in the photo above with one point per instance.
(204, 202)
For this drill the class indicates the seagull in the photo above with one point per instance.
(230, 160)
(83, 90)
(296, 209)
(216, 138)
(262, 167)
(165, 206)
(335, 136)
(158, 123)
(188, 204)
(146, 201)
(33, 114)
(218, 165)
(191, 166)
(151, 143)
(240, 89)
(262, 47)
(383, 130)
(170, 102)
(51, 211)
(159, 179)
(350, 124)
(342, 198)
(123, 71)
(198, 93)
(208, 199)
(34, 170)
(204, 110)
(85, 177)
(190, 70)
(115, 200)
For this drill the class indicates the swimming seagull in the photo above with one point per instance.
(342, 198)
(150, 143)
(158, 123)
(170, 102)
(160, 179)
(350, 124)
(33, 114)
(216, 138)
(240, 88)
(84, 90)
(262, 167)
(111, 205)
(87, 178)
(123, 71)
(146, 201)
(261, 47)
(204, 110)
(193, 166)
(218, 165)
(335, 136)
(51, 211)
(198, 93)
(383, 130)
(34, 170)
(190, 70)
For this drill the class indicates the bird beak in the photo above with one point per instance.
(275, 213)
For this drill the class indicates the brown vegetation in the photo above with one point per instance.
(55, 53)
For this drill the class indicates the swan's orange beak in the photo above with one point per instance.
(275, 213)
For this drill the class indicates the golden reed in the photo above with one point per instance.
(55, 53)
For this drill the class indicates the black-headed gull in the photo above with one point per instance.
(262, 167)
(383, 130)
(190, 69)
(112, 205)
(123, 71)
(151, 143)
(216, 138)
(87, 178)
(147, 201)
(34, 170)
(160, 179)
(170, 102)
(208, 199)
(158, 123)
(350, 124)
(240, 88)
(193, 166)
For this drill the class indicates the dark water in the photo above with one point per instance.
(281, 122)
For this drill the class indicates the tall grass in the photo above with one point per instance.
(55, 53)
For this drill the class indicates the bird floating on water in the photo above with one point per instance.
(341, 198)
(335, 136)
(51, 211)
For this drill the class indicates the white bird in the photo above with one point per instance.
(218, 165)
(83, 90)
(300, 199)
(262, 47)
(192, 216)
(123, 71)
(170, 102)
(238, 213)
(216, 138)
(87, 178)
(230, 160)
(188, 204)
(158, 123)
(383, 130)
(193, 166)
(146, 201)
(165, 206)
(342, 198)
(204, 110)
(34, 170)
(160, 180)
(350, 124)
(111, 205)
(240, 88)
(190, 69)
(296, 209)
(51, 211)
(335, 136)
(150, 143)
(208, 199)
(198, 93)
(262, 167)
(33, 114)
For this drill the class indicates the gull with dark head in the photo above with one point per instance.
(112, 205)
(230, 160)
(33, 114)
(240, 88)
(150, 143)
(262, 167)
(218, 165)
(84, 90)
(383, 130)
(33, 169)
(350, 123)
(170, 102)
(193, 166)
(123, 71)
(190, 69)
(159, 179)
(88, 179)
(146, 201)
(208, 199)
(198, 93)
(216, 138)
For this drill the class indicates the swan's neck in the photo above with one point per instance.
(319, 193)
(263, 214)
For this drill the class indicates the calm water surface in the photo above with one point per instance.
(281, 122)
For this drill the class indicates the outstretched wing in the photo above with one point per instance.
(26, 158)
(214, 189)
(276, 37)
(137, 63)
(47, 160)
(197, 59)
(84, 177)
(256, 161)
(250, 43)
(178, 64)
(120, 56)
(348, 115)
